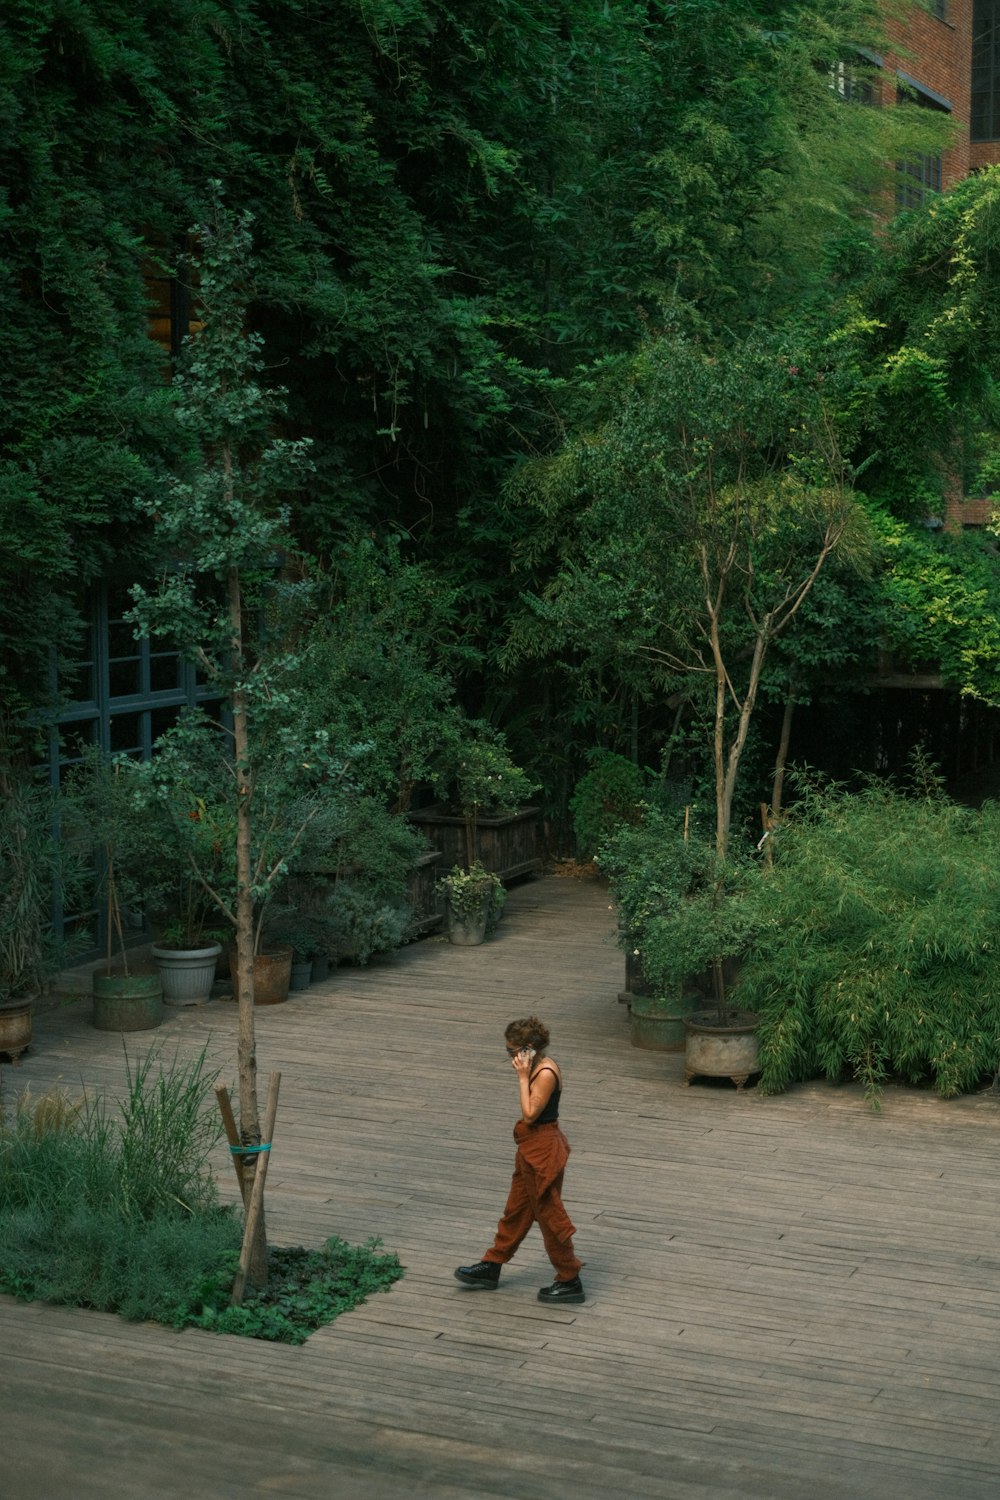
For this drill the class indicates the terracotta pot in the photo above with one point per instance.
(272, 975)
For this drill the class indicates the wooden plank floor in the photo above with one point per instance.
(788, 1298)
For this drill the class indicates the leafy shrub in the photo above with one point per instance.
(606, 796)
(306, 1289)
(879, 951)
(648, 865)
(364, 922)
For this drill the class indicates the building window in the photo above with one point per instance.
(915, 179)
(849, 84)
(921, 175)
(939, 8)
(119, 694)
(984, 123)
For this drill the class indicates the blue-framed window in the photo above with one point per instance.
(119, 694)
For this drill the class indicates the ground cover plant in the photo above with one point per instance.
(114, 1208)
(878, 954)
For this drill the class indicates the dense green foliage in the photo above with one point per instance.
(306, 1289)
(117, 1210)
(682, 911)
(114, 1209)
(877, 955)
(607, 795)
(472, 225)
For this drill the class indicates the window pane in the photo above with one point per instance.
(126, 732)
(121, 641)
(78, 682)
(124, 679)
(162, 719)
(164, 673)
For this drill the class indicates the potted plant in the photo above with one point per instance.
(188, 848)
(98, 815)
(27, 952)
(695, 948)
(474, 901)
(185, 786)
(299, 933)
(685, 917)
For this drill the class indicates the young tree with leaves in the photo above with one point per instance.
(219, 525)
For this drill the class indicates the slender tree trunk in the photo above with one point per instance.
(723, 807)
(247, 1045)
(781, 759)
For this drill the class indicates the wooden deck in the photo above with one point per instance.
(788, 1298)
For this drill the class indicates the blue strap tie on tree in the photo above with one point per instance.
(250, 1150)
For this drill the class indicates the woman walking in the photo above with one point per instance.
(536, 1187)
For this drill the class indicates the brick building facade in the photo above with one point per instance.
(946, 56)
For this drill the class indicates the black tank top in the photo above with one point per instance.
(551, 1111)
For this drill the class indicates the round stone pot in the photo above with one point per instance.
(127, 1002)
(15, 1027)
(187, 974)
(715, 1051)
(658, 1025)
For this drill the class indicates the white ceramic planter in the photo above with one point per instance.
(187, 973)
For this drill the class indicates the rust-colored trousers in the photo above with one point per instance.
(536, 1197)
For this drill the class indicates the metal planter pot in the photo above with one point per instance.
(658, 1025)
(127, 1002)
(15, 1027)
(272, 974)
(722, 1051)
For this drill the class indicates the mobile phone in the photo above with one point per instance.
(530, 1051)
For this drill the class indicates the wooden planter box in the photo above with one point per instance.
(508, 845)
(426, 906)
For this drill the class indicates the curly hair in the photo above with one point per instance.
(527, 1033)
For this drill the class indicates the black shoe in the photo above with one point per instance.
(484, 1274)
(563, 1291)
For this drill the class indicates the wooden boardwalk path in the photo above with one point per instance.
(788, 1298)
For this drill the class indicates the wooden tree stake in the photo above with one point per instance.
(232, 1134)
(256, 1205)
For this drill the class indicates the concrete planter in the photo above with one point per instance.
(468, 930)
